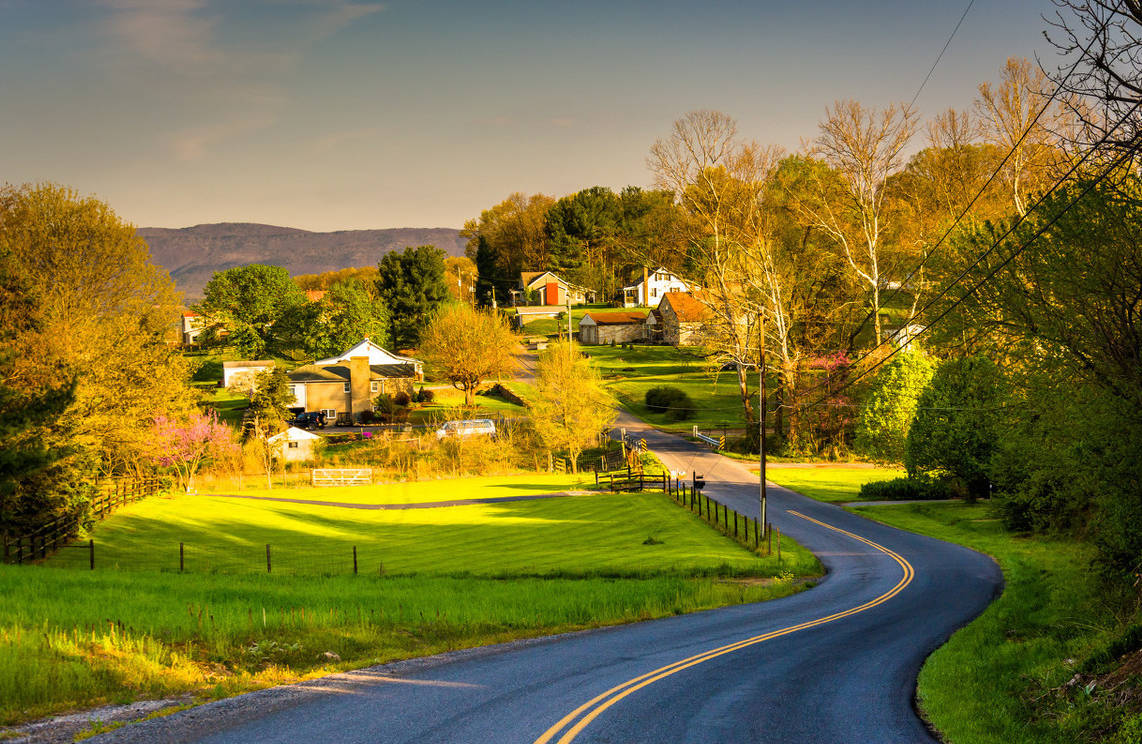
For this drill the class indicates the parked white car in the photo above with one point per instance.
(469, 428)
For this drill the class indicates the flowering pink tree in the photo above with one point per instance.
(185, 444)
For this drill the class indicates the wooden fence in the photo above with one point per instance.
(746, 530)
(55, 534)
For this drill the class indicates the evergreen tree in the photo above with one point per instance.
(412, 285)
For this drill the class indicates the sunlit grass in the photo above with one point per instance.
(830, 482)
(452, 578)
(417, 491)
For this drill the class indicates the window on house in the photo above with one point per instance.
(654, 291)
(346, 387)
(293, 445)
(330, 414)
(374, 386)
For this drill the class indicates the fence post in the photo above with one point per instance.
(354, 560)
(269, 566)
(91, 553)
(181, 557)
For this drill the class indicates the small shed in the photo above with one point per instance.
(620, 327)
(294, 445)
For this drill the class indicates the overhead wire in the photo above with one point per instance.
(1115, 163)
(983, 189)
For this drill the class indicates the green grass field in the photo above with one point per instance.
(597, 534)
(416, 492)
(830, 483)
(1002, 678)
(453, 578)
(629, 373)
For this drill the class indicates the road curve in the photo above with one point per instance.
(836, 664)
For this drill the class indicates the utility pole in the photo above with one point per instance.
(761, 409)
(567, 295)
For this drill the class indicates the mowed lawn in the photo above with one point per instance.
(630, 372)
(453, 577)
(595, 534)
(415, 492)
(833, 483)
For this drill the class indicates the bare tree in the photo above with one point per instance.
(720, 182)
(865, 147)
(1009, 117)
(1102, 40)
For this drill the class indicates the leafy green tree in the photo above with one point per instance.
(490, 279)
(26, 496)
(345, 315)
(467, 346)
(412, 285)
(890, 406)
(956, 429)
(570, 407)
(104, 314)
(247, 302)
(269, 403)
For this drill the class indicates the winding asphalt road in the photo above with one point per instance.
(836, 664)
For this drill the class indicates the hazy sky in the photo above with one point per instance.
(326, 114)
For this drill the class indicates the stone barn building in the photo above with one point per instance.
(682, 318)
(604, 327)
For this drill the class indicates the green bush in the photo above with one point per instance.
(904, 489)
(658, 399)
(890, 407)
(956, 429)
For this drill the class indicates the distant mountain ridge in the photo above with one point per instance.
(193, 254)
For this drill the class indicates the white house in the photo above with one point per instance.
(376, 355)
(654, 284)
(294, 445)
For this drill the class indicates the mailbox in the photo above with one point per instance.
(699, 482)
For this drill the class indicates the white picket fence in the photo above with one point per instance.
(342, 476)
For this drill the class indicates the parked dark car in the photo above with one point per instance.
(309, 420)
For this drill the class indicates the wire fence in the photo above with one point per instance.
(226, 556)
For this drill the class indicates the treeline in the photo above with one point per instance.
(262, 310)
(86, 360)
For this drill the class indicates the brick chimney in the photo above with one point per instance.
(359, 374)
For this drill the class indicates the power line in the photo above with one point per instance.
(995, 174)
(995, 245)
(941, 54)
(1086, 190)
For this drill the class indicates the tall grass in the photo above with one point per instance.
(74, 638)
(452, 577)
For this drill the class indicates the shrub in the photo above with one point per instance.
(367, 417)
(658, 399)
(956, 428)
(424, 395)
(402, 398)
(890, 407)
(904, 489)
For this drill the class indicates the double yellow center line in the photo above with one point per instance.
(574, 722)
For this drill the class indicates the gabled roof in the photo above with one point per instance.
(341, 373)
(293, 434)
(527, 277)
(615, 318)
(367, 348)
(688, 309)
